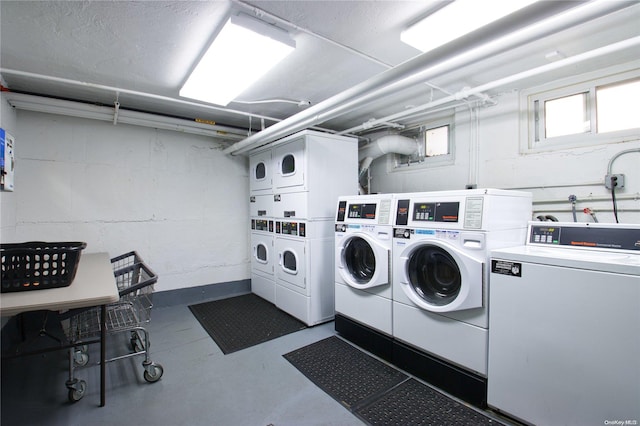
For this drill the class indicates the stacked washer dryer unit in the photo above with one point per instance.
(262, 225)
(564, 346)
(363, 240)
(309, 171)
(441, 247)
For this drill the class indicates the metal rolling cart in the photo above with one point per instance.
(129, 314)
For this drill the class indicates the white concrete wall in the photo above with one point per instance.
(173, 197)
(498, 163)
(8, 121)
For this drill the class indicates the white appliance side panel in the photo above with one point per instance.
(367, 308)
(458, 342)
(263, 286)
(261, 205)
(509, 210)
(565, 345)
(320, 277)
(333, 166)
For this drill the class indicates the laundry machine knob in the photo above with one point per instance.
(406, 233)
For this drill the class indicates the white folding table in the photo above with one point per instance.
(93, 285)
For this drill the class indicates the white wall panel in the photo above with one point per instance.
(173, 197)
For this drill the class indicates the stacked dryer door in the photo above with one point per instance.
(441, 247)
(303, 251)
(308, 171)
(262, 225)
(263, 259)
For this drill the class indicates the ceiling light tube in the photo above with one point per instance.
(457, 19)
(244, 50)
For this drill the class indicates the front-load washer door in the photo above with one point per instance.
(439, 278)
(363, 262)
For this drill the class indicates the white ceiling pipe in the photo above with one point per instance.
(420, 69)
(104, 113)
(118, 90)
(621, 45)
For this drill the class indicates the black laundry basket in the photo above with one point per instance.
(38, 265)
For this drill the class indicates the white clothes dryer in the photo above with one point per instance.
(263, 259)
(304, 270)
(363, 240)
(564, 345)
(441, 247)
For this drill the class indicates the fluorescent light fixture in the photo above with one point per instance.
(457, 19)
(244, 50)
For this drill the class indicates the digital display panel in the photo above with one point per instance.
(362, 211)
(436, 212)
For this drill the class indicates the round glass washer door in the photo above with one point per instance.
(434, 275)
(363, 262)
(360, 260)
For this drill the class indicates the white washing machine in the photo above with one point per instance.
(441, 247)
(363, 240)
(263, 259)
(304, 270)
(564, 346)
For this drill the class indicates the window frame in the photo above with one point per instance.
(533, 138)
(423, 161)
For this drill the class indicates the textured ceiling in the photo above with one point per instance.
(150, 47)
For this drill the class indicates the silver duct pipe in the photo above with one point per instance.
(429, 65)
(388, 144)
(384, 145)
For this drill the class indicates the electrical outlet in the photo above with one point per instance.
(618, 181)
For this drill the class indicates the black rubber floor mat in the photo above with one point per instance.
(377, 393)
(344, 372)
(414, 403)
(240, 322)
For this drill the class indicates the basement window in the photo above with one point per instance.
(435, 149)
(436, 141)
(599, 111)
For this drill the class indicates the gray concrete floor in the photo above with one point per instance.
(200, 385)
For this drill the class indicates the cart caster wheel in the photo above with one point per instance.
(77, 392)
(153, 372)
(80, 358)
